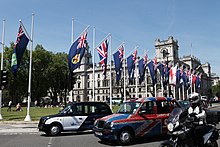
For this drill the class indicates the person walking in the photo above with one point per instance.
(9, 105)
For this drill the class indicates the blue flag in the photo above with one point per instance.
(118, 56)
(142, 66)
(19, 48)
(131, 65)
(152, 72)
(77, 51)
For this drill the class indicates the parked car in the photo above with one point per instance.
(76, 116)
(141, 117)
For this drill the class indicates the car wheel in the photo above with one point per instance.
(55, 129)
(125, 137)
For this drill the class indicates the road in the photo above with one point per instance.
(27, 135)
(65, 140)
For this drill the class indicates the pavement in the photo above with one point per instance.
(18, 127)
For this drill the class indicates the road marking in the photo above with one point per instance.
(50, 142)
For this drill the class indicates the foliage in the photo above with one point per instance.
(48, 69)
(216, 90)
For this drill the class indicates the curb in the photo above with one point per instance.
(19, 122)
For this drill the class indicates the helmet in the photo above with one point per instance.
(194, 98)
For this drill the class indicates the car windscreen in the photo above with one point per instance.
(66, 110)
(129, 107)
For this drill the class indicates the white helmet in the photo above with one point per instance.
(194, 98)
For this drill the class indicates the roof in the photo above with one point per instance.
(153, 99)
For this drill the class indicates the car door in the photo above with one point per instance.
(163, 111)
(74, 117)
(150, 125)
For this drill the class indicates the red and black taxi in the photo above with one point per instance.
(143, 117)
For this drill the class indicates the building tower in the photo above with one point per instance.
(167, 50)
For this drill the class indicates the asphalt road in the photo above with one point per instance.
(65, 140)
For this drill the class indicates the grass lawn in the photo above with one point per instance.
(35, 113)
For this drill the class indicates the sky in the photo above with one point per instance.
(194, 23)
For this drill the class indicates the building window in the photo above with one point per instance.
(98, 83)
(78, 85)
(88, 76)
(98, 75)
(88, 84)
(98, 98)
(139, 89)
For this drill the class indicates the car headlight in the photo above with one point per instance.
(108, 125)
(170, 127)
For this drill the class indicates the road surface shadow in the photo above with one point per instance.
(138, 140)
(70, 133)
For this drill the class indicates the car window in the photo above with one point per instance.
(103, 109)
(77, 109)
(163, 107)
(148, 107)
(91, 109)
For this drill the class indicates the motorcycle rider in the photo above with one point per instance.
(199, 112)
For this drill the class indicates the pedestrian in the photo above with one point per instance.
(35, 103)
(9, 105)
(18, 107)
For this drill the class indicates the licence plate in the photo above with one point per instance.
(98, 133)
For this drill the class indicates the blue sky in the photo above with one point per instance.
(137, 22)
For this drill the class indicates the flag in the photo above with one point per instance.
(152, 72)
(194, 75)
(103, 54)
(172, 78)
(77, 51)
(131, 64)
(188, 76)
(118, 56)
(198, 81)
(142, 66)
(166, 74)
(18, 51)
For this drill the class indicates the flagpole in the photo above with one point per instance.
(110, 43)
(136, 85)
(146, 81)
(124, 75)
(72, 35)
(28, 118)
(93, 69)
(2, 62)
(183, 91)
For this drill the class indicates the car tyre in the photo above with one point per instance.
(125, 137)
(54, 130)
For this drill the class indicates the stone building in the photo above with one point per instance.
(166, 51)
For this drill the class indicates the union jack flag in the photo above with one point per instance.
(103, 54)
(82, 40)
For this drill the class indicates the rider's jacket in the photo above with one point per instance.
(200, 114)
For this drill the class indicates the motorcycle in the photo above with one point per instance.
(181, 128)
